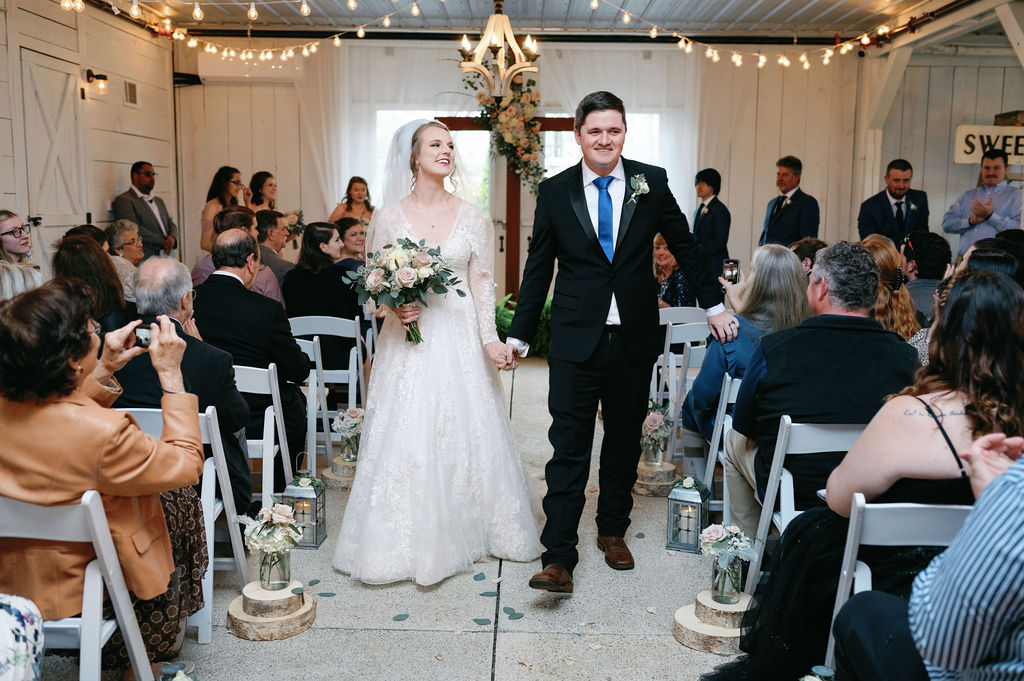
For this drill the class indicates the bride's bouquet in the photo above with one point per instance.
(403, 273)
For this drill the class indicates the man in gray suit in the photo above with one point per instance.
(272, 235)
(156, 228)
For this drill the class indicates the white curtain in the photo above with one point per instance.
(321, 94)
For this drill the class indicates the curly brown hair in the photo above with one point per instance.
(79, 257)
(894, 308)
(40, 331)
(977, 350)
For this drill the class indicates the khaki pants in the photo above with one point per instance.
(739, 476)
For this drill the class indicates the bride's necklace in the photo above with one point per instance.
(421, 209)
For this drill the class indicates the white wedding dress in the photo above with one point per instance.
(439, 483)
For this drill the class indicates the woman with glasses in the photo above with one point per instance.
(226, 189)
(125, 247)
(15, 242)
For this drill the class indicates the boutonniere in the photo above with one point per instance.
(639, 185)
(704, 210)
(913, 208)
(787, 202)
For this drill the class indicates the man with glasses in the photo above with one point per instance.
(157, 229)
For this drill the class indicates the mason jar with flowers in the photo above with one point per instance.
(655, 433)
(349, 425)
(729, 546)
(273, 533)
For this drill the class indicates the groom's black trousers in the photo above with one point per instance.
(621, 384)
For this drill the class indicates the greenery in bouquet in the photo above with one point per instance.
(657, 425)
(512, 121)
(726, 544)
(505, 309)
(273, 531)
(403, 273)
(294, 224)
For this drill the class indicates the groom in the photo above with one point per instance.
(598, 219)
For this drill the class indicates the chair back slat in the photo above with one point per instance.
(22, 520)
(681, 315)
(320, 325)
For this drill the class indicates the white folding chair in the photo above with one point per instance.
(215, 474)
(257, 381)
(716, 450)
(316, 403)
(86, 523)
(693, 355)
(669, 363)
(888, 525)
(793, 439)
(341, 328)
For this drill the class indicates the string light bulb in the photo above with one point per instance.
(387, 21)
(361, 32)
(197, 12)
(231, 53)
(305, 51)
(882, 30)
(284, 55)
(594, 4)
(135, 11)
(352, 5)
(304, 9)
(737, 59)
(625, 17)
(654, 32)
(714, 56)
(66, 4)
(415, 10)
(761, 61)
(252, 13)
(192, 42)
(312, 48)
(79, 6)
(865, 39)
(337, 41)
(807, 66)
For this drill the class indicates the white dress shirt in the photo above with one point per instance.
(617, 190)
(152, 206)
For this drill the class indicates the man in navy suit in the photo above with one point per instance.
(792, 214)
(897, 210)
(711, 221)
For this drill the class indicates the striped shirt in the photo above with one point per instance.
(967, 607)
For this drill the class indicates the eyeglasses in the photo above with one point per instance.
(18, 232)
(148, 173)
(238, 182)
(131, 242)
(195, 294)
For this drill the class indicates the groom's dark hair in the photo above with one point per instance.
(598, 101)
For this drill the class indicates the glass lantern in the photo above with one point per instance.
(687, 518)
(308, 503)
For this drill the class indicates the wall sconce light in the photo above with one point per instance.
(98, 80)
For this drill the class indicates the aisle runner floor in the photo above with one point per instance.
(617, 626)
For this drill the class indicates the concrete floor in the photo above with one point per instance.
(617, 625)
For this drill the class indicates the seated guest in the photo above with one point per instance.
(239, 217)
(996, 261)
(55, 386)
(272, 235)
(79, 257)
(986, 210)
(893, 308)
(254, 330)
(897, 210)
(16, 279)
(907, 453)
(91, 231)
(774, 298)
(353, 243)
(966, 618)
(315, 287)
(15, 239)
(806, 249)
(711, 220)
(164, 288)
(125, 247)
(21, 638)
(673, 289)
(835, 367)
(925, 255)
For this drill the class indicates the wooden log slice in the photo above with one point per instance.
(252, 628)
(697, 635)
(709, 611)
(260, 602)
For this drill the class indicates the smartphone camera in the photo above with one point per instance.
(731, 271)
(142, 337)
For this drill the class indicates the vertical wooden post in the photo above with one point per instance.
(512, 220)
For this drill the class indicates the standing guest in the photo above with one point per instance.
(254, 330)
(157, 229)
(893, 309)
(774, 298)
(673, 289)
(806, 249)
(353, 243)
(797, 371)
(791, 215)
(897, 210)
(91, 231)
(925, 255)
(15, 239)
(164, 288)
(226, 189)
(79, 257)
(272, 235)
(263, 187)
(125, 248)
(986, 210)
(605, 334)
(56, 387)
(239, 217)
(711, 220)
(16, 279)
(356, 204)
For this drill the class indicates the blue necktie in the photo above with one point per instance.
(604, 216)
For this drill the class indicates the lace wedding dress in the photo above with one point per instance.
(440, 483)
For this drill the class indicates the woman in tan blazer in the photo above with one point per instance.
(60, 440)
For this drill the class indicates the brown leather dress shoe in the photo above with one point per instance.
(553, 578)
(616, 553)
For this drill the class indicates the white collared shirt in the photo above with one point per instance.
(229, 274)
(892, 203)
(617, 190)
(152, 206)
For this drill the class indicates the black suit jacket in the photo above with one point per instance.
(711, 230)
(562, 231)
(876, 216)
(794, 221)
(209, 376)
(128, 206)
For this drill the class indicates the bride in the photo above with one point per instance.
(440, 483)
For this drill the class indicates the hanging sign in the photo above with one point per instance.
(974, 140)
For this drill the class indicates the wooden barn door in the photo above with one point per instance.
(53, 149)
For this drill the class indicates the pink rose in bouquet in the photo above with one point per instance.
(406, 277)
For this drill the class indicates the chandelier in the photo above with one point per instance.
(507, 59)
